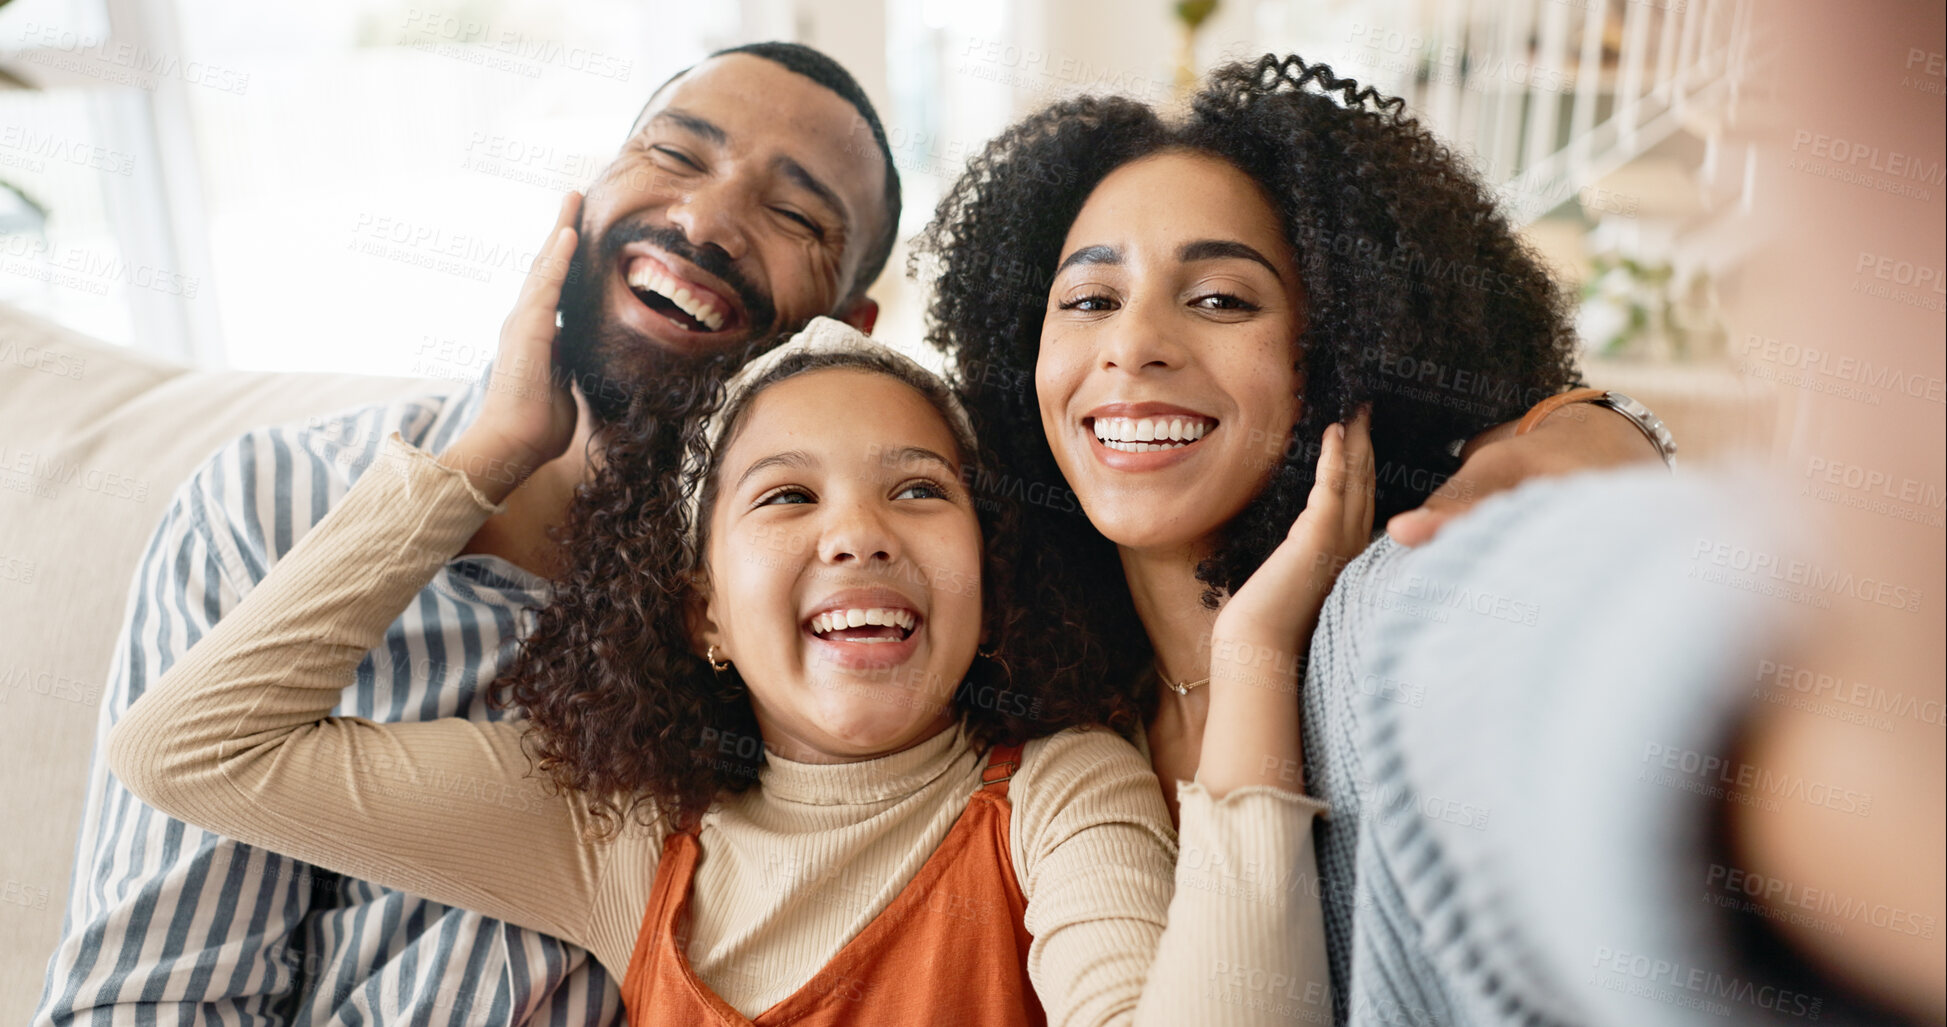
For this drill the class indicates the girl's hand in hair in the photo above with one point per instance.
(1282, 599)
(528, 415)
(1263, 634)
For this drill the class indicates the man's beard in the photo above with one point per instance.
(612, 363)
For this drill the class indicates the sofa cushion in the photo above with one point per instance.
(94, 440)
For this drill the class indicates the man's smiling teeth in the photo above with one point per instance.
(1148, 434)
(645, 276)
(834, 620)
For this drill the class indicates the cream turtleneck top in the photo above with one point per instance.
(237, 737)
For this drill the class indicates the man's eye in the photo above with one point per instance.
(783, 495)
(921, 490)
(677, 155)
(1089, 304)
(817, 231)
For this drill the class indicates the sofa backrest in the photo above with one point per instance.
(94, 441)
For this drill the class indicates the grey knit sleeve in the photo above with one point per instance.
(1544, 763)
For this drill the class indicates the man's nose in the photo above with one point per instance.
(712, 215)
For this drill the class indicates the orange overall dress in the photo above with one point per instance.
(952, 948)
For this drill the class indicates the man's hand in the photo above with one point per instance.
(528, 415)
(1578, 437)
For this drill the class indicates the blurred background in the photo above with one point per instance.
(1745, 199)
(359, 186)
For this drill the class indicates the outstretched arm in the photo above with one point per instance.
(1577, 437)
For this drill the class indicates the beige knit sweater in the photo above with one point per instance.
(237, 738)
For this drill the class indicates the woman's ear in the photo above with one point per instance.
(700, 616)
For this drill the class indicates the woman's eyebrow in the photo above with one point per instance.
(1091, 255)
(1218, 249)
(789, 458)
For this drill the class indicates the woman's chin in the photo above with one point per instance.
(1130, 529)
(1145, 520)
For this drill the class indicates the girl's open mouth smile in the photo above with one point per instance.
(865, 634)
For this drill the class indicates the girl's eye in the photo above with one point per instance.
(786, 494)
(921, 490)
(1222, 301)
(1092, 304)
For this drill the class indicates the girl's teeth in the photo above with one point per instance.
(833, 620)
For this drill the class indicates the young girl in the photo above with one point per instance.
(886, 862)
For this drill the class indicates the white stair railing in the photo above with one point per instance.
(1551, 95)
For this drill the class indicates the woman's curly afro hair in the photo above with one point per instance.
(620, 706)
(1420, 300)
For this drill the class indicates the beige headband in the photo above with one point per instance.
(822, 336)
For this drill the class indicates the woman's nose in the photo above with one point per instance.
(1138, 339)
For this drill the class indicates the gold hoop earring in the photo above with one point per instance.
(994, 655)
(715, 664)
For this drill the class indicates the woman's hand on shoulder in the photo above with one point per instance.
(527, 417)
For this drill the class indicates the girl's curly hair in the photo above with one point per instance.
(620, 706)
(1419, 300)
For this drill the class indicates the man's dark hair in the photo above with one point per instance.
(820, 68)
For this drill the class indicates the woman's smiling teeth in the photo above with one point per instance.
(644, 276)
(1149, 434)
(871, 624)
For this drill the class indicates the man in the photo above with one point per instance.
(754, 192)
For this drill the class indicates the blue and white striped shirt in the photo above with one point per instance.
(167, 922)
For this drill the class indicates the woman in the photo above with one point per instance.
(1291, 252)
(781, 791)
(1194, 303)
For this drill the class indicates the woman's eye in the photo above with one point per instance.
(784, 495)
(1222, 301)
(921, 490)
(1089, 304)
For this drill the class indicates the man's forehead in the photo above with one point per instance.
(744, 94)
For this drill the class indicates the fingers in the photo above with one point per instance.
(1329, 480)
(532, 322)
(1450, 500)
(1361, 476)
(550, 267)
(1417, 527)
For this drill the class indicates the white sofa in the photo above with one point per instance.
(93, 442)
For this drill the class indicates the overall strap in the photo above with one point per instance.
(1002, 762)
